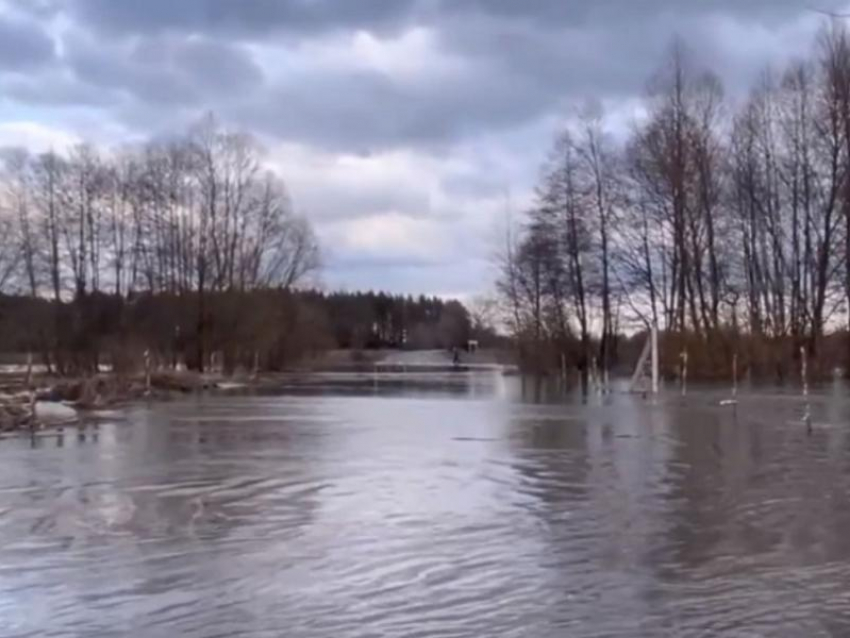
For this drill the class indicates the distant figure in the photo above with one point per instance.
(455, 357)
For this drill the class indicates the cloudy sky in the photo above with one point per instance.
(404, 128)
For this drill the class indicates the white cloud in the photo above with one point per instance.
(329, 186)
(35, 136)
(391, 237)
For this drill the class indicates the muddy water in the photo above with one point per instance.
(463, 507)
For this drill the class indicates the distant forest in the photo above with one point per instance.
(271, 328)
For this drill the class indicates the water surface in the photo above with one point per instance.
(460, 505)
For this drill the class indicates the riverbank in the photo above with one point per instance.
(38, 400)
(360, 360)
(44, 401)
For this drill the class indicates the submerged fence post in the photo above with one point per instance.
(804, 373)
(147, 357)
(654, 338)
(33, 399)
(28, 379)
(734, 375)
(594, 374)
(563, 369)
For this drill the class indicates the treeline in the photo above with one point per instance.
(378, 320)
(725, 224)
(264, 328)
(188, 250)
(192, 225)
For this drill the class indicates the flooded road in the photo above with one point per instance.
(464, 507)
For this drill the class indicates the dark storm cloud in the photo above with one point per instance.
(258, 17)
(362, 111)
(516, 60)
(240, 17)
(164, 70)
(583, 13)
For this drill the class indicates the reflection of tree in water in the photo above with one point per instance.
(234, 467)
(694, 494)
(763, 487)
(595, 473)
(206, 488)
(541, 390)
(739, 486)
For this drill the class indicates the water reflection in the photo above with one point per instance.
(464, 505)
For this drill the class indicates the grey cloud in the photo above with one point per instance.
(55, 89)
(365, 111)
(610, 49)
(520, 60)
(595, 13)
(217, 67)
(23, 45)
(166, 71)
(264, 17)
(334, 202)
(241, 18)
(120, 70)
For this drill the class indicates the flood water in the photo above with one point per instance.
(460, 506)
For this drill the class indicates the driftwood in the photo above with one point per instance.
(22, 411)
(59, 404)
(17, 412)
